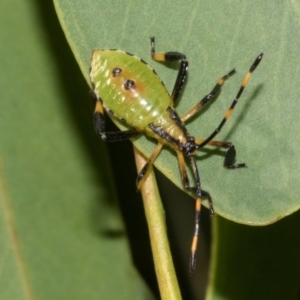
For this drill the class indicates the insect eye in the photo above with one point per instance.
(129, 84)
(116, 72)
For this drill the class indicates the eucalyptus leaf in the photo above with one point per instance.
(216, 36)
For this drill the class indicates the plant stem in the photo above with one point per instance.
(155, 216)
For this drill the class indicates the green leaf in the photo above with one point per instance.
(60, 231)
(255, 262)
(216, 36)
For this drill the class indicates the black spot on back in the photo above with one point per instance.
(116, 71)
(129, 84)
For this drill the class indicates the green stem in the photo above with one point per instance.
(165, 272)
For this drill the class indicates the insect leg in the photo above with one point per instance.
(168, 57)
(99, 125)
(197, 215)
(182, 168)
(230, 154)
(219, 144)
(199, 193)
(229, 111)
(145, 168)
(207, 98)
(207, 195)
(186, 184)
(181, 161)
(174, 116)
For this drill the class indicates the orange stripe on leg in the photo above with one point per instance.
(196, 236)
(159, 57)
(228, 113)
(246, 79)
(99, 107)
(221, 81)
(150, 161)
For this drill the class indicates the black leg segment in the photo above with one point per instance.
(99, 125)
(169, 57)
(229, 159)
(144, 170)
(207, 98)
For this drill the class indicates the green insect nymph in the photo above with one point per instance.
(130, 90)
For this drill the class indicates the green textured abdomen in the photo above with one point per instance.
(141, 104)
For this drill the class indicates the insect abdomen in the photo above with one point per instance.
(133, 92)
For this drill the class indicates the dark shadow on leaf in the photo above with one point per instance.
(113, 158)
(245, 108)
